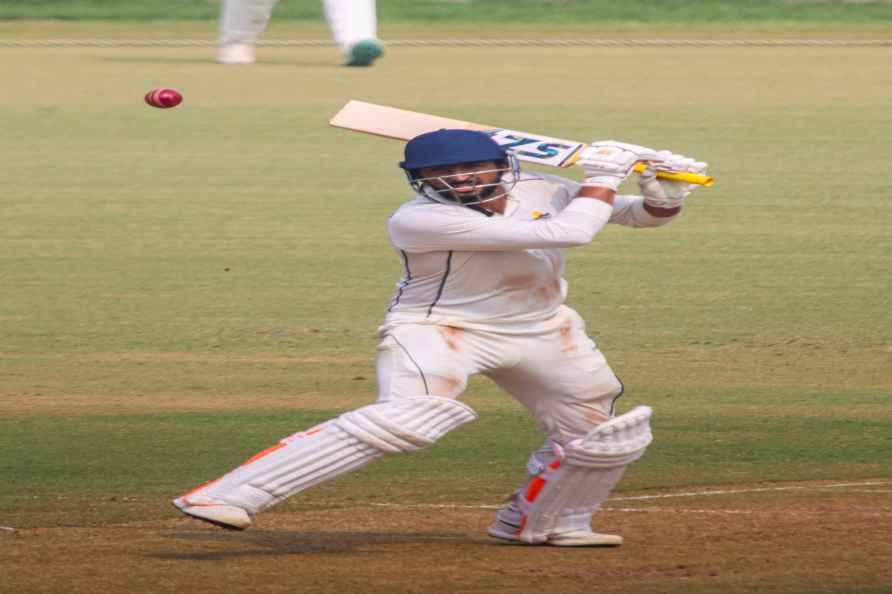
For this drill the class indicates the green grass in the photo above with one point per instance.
(60, 461)
(490, 11)
(183, 287)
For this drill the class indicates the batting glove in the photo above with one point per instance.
(665, 193)
(607, 163)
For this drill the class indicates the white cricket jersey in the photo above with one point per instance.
(500, 272)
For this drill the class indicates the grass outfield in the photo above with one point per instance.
(494, 11)
(181, 288)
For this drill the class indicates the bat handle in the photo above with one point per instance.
(682, 176)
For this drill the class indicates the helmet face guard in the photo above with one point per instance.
(448, 148)
(450, 190)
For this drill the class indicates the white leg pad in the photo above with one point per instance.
(582, 480)
(331, 449)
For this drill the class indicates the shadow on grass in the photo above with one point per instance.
(260, 542)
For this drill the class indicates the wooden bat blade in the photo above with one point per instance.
(391, 122)
(402, 124)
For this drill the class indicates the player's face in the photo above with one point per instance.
(466, 182)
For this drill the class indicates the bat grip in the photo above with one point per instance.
(682, 176)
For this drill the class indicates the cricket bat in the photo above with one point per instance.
(401, 124)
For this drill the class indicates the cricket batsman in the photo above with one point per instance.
(483, 247)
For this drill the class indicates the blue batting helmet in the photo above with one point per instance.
(450, 147)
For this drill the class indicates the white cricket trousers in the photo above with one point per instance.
(557, 372)
(350, 21)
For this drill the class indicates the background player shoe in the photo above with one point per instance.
(236, 53)
(577, 538)
(365, 52)
(225, 516)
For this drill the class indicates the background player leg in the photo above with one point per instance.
(241, 24)
(353, 25)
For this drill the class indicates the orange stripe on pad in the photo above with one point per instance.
(265, 452)
(537, 484)
(199, 488)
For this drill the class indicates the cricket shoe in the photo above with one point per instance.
(236, 53)
(573, 538)
(363, 53)
(223, 515)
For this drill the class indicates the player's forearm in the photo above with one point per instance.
(661, 213)
(597, 193)
(631, 211)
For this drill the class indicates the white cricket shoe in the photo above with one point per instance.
(236, 53)
(223, 515)
(574, 538)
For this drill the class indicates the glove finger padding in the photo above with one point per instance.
(644, 153)
(607, 163)
(665, 193)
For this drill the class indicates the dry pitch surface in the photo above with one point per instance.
(811, 537)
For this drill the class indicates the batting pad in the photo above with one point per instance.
(352, 440)
(579, 482)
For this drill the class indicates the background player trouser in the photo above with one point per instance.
(350, 21)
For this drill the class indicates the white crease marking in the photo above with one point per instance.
(665, 496)
(652, 510)
(742, 491)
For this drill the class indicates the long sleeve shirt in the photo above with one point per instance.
(503, 272)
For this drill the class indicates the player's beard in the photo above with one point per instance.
(480, 196)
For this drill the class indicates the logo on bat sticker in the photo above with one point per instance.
(533, 147)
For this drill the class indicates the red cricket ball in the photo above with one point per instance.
(164, 98)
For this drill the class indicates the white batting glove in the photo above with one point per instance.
(607, 163)
(665, 193)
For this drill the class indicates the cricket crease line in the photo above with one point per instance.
(661, 496)
(675, 510)
(656, 510)
(741, 491)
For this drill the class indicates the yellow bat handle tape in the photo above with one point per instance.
(682, 176)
